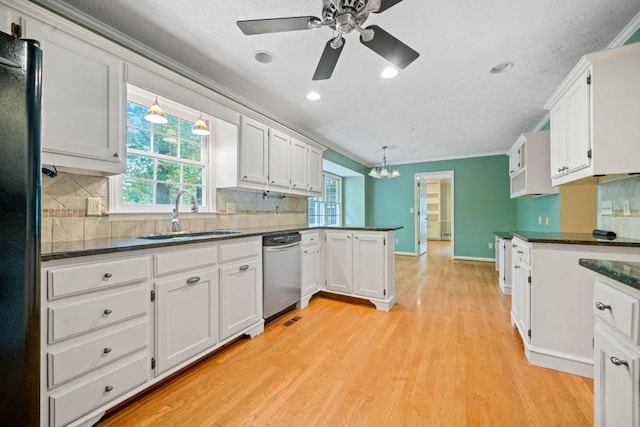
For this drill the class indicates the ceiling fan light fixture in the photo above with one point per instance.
(502, 68)
(155, 114)
(313, 96)
(200, 127)
(389, 73)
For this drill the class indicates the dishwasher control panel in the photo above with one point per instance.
(281, 239)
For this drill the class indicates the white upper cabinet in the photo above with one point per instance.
(299, 165)
(529, 165)
(594, 117)
(315, 171)
(82, 102)
(254, 146)
(279, 167)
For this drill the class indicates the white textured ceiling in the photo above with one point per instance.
(444, 105)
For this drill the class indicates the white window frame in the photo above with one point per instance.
(323, 200)
(143, 97)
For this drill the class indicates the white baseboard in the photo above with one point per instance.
(473, 258)
(405, 253)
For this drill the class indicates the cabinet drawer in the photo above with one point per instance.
(72, 319)
(89, 277)
(185, 260)
(617, 309)
(75, 402)
(309, 239)
(525, 254)
(244, 249)
(67, 364)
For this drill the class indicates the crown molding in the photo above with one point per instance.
(626, 33)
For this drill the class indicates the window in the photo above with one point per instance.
(163, 159)
(326, 210)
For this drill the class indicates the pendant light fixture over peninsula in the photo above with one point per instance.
(384, 171)
(155, 114)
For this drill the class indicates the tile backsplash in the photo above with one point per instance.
(625, 224)
(64, 200)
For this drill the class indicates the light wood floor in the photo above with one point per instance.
(446, 355)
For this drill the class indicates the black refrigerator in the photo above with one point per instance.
(20, 177)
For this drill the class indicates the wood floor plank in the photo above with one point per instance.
(446, 355)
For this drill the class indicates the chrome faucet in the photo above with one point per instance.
(175, 221)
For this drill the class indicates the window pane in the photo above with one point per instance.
(168, 171)
(193, 174)
(138, 139)
(196, 190)
(170, 128)
(166, 193)
(165, 145)
(139, 167)
(137, 192)
(185, 131)
(135, 115)
(190, 150)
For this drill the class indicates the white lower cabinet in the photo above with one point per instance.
(240, 296)
(186, 317)
(616, 354)
(503, 263)
(361, 264)
(310, 267)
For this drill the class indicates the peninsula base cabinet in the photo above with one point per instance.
(616, 354)
(552, 299)
(113, 325)
(360, 264)
(310, 267)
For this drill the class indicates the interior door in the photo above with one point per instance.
(422, 218)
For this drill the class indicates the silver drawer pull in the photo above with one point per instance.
(107, 350)
(244, 177)
(520, 252)
(619, 362)
(311, 239)
(600, 306)
(273, 182)
(306, 252)
(108, 388)
(107, 275)
(107, 311)
(192, 280)
(244, 267)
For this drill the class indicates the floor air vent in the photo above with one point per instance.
(292, 321)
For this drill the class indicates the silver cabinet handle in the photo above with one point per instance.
(516, 266)
(107, 350)
(116, 155)
(600, 306)
(192, 280)
(108, 388)
(355, 237)
(107, 311)
(295, 185)
(619, 362)
(107, 275)
(273, 182)
(244, 177)
(520, 252)
(244, 267)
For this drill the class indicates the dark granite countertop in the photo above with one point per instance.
(60, 250)
(573, 239)
(507, 235)
(625, 272)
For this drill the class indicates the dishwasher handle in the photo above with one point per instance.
(280, 248)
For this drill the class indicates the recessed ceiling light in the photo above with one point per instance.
(502, 68)
(389, 73)
(313, 96)
(263, 57)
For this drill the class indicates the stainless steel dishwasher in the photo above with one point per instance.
(282, 277)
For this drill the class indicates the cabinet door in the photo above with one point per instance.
(310, 269)
(578, 125)
(187, 317)
(254, 156)
(299, 165)
(515, 160)
(315, 171)
(515, 283)
(240, 297)
(558, 139)
(279, 147)
(339, 262)
(524, 302)
(615, 382)
(82, 102)
(369, 275)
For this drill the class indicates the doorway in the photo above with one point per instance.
(434, 210)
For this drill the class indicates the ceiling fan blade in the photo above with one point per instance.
(390, 48)
(386, 4)
(328, 61)
(276, 25)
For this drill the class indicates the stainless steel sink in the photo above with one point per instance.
(187, 235)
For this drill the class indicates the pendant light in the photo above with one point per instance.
(155, 114)
(200, 127)
(384, 171)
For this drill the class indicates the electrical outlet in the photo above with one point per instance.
(606, 207)
(93, 206)
(397, 240)
(546, 220)
(626, 208)
(539, 220)
(411, 210)
(490, 245)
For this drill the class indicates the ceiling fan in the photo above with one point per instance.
(343, 16)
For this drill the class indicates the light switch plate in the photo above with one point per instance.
(626, 207)
(231, 208)
(606, 207)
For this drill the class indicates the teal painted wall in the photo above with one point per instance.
(481, 203)
(353, 196)
(545, 207)
(635, 38)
